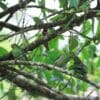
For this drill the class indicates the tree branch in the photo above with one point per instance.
(14, 8)
(49, 67)
(9, 26)
(76, 22)
(36, 89)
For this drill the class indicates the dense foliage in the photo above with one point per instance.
(50, 48)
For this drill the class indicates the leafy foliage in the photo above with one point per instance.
(3, 4)
(68, 66)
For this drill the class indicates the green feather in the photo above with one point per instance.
(78, 67)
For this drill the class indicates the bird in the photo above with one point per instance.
(79, 67)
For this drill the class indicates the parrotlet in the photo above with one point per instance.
(78, 67)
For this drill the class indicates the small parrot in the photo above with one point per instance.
(79, 67)
(18, 53)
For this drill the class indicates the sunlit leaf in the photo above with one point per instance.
(3, 51)
(63, 3)
(86, 27)
(74, 3)
(37, 20)
(12, 94)
(98, 30)
(3, 5)
(73, 43)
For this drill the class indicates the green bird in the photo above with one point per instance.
(18, 53)
(78, 67)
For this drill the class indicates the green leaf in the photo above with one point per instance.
(73, 43)
(85, 54)
(1, 87)
(57, 75)
(61, 37)
(92, 50)
(37, 20)
(33, 0)
(47, 75)
(63, 3)
(52, 55)
(12, 93)
(58, 17)
(74, 3)
(53, 44)
(3, 5)
(84, 5)
(97, 62)
(37, 55)
(3, 36)
(41, 3)
(81, 86)
(98, 29)
(86, 27)
(18, 52)
(3, 51)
